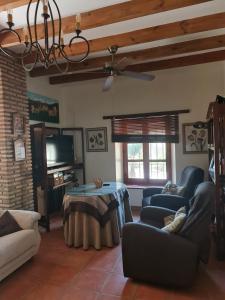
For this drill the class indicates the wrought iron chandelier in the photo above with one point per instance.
(53, 47)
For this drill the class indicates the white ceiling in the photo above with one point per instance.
(74, 6)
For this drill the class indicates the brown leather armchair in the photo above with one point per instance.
(154, 255)
(190, 178)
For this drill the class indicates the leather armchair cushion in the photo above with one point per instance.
(154, 216)
(173, 202)
(151, 191)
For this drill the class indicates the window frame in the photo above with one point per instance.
(146, 159)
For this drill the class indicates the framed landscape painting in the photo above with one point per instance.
(96, 139)
(195, 140)
(42, 108)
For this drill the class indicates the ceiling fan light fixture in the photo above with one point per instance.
(54, 47)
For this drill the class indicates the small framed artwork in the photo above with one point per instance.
(96, 139)
(19, 150)
(195, 140)
(18, 124)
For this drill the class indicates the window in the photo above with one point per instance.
(147, 163)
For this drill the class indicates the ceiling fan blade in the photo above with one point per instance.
(108, 83)
(141, 76)
(123, 63)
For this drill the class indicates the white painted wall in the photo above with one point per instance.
(83, 104)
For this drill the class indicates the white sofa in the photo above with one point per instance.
(18, 247)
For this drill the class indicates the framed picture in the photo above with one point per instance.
(195, 140)
(18, 124)
(42, 108)
(96, 139)
(19, 150)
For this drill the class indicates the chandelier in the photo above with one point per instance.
(53, 47)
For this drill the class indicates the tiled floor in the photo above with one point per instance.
(59, 272)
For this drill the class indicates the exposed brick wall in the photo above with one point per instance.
(16, 187)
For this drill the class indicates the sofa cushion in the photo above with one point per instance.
(169, 219)
(16, 244)
(175, 225)
(8, 224)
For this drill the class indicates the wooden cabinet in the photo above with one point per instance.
(216, 127)
(51, 180)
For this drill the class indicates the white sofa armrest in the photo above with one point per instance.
(26, 219)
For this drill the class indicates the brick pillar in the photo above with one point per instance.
(16, 187)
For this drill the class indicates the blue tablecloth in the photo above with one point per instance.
(91, 190)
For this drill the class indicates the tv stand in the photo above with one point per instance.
(50, 179)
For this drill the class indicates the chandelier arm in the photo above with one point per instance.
(63, 71)
(60, 21)
(35, 21)
(14, 55)
(28, 22)
(53, 23)
(4, 30)
(70, 44)
(27, 69)
(41, 51)
(51, 51)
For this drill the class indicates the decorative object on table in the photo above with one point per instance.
(18, 124)
(46, 54)
(96, 139)
(19, 149)
(42, 108)
(195, 140)
(98, 183)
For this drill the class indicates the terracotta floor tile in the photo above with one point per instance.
(78, 294)
(148, 292)
(90, 280)
(108, 297)
(44, 292)
(15, 286)
(104, 261)
(118, 268)
(117, 285)
(62, 274)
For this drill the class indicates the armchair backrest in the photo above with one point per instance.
(196, 227)
(190, 178)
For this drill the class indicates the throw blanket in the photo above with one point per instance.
(99, 203)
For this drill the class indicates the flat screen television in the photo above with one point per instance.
(59, 150)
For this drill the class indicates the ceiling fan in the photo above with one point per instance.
(117, 68)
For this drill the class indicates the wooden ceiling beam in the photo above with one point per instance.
(145, 35)
(105, 16)
(141, 55)
(11, 4)
(147, 67)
